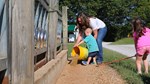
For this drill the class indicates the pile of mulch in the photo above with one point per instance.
(90, 74)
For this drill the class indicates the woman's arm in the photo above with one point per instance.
(95, 33)
(79, 38)
(80, 43)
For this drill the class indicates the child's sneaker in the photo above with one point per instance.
(139, 73)
(92, 63)
(84, 62)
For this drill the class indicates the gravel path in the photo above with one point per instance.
(90, 74)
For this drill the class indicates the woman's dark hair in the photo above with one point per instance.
(138, 26)
(84, 21)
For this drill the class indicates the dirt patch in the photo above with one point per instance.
(79, 74)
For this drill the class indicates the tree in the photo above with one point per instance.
(76, 6)
(141, 8)
(117, 14)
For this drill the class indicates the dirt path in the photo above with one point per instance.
(90, 74)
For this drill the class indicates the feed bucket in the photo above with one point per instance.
(81, 51)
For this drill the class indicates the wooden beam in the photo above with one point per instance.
(47, 1)
(22, 69)
(9, 40)
(44, 4)
(52, 31)
(65, 26)
(40, 51)
(40, 64)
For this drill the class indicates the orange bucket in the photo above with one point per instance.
(81, 51)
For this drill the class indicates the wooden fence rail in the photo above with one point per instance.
(32, 33)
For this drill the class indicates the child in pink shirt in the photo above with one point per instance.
(141, 36)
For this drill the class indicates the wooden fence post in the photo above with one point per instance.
(22, 66)
(65, 26)
(52, 29)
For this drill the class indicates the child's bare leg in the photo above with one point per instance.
(89, 59)
(145, 62)
(138, 63)
(94, 59)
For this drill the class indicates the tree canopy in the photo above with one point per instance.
(117, 14)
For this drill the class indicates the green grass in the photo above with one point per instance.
(123, 41)
(125, 68)
(70, 46)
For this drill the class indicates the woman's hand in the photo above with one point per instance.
(75, 45)
(95, 32)
(79, 38)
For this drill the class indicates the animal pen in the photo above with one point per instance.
(33, 40)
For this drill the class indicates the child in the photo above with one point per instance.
(92, 46)
(141, 36)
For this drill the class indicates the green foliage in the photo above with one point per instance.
(76, 6)
(117, 14)
(70, 46)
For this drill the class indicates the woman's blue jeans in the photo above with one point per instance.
(101, 34)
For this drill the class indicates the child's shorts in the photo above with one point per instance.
(143, 50)
(93, 54)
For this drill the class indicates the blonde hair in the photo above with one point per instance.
(88, 30)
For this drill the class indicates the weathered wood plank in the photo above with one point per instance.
(65, 26)
(22, 69)
(47, 1)
(44, 4)
(40, 51)
(40, 64)
(9, 41)
(53, 19)
(59, 48)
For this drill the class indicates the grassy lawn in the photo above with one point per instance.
(125, 68)
(123, 41)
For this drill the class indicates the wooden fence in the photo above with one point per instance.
(32, 33)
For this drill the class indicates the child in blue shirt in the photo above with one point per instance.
(91, 45)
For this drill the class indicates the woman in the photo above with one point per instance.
(99, 31)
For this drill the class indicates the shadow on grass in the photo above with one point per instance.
(146, 79)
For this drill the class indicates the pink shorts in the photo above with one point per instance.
(143, 50)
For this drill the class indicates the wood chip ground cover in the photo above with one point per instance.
(90, 74)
